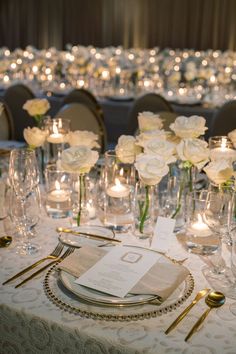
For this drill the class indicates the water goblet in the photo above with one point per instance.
(219, 216)
(24, 178)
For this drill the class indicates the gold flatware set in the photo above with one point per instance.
(214, 299)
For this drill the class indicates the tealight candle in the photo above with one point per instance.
(55, 137)
(223, 151)
(118, 190)
(199, 228)
(58, 195)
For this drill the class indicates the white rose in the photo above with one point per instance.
(162, 148)
(34, 137)
(193, 150)
(36, 106)
(219, 171)
(126, 149)
(149, 121)
(78, 159)
(189, 127)
(82, 137)
(151, 169)
(154, 134)
(232, 137)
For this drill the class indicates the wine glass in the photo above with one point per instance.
(219, 216)
(24, 178)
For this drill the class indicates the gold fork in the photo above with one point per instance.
(57, 260)
(53, 255)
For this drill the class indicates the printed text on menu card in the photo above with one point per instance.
(119, 270)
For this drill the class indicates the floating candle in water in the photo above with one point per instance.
(223, 151)
(58, 195)
(118, 190)
(55, 137)
(199, 228)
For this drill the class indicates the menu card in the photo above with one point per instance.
(163, 234)
(119, 270)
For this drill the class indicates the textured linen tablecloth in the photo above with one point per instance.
(31, 323)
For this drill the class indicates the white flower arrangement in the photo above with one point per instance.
(126, 149)
(82, 137)
(189, 127)
(219, 172)
(34, 137)
(148, 121)
(78, 159)
(37, 107)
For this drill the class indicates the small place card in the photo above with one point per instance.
(119, 270)
(163, 234)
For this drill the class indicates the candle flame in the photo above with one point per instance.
(223, 143)
(57, 185)
(199, 218)
(55, 129)
(117, 182)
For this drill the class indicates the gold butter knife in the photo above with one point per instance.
(198, 297)
(86, 234)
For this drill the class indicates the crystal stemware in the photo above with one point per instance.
(219, 216)
(24, 178)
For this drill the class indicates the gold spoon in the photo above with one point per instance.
(214, 299)
(5, 241)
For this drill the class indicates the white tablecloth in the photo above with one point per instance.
(31, 323)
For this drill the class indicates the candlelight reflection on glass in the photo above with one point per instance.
(58, 193)
(56, 142)
(115, 193)
(221, 147)
(197, 235)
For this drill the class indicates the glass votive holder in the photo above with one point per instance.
(196, 236)
(57, 130)
(58, 201)
(115, 199)
(221, 147)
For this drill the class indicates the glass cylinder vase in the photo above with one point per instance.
(143, 209)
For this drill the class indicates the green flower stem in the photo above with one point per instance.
(38, 118)
(81, 191)
(181, 188)
(187, 169)
(144, 210)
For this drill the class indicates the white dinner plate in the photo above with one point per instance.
(79, 241)
(99, 298)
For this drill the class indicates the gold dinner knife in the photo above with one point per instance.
(87, 235)
(198, 297)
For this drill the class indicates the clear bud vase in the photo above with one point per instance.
(182, 181)
(144, 215)
(80, 211)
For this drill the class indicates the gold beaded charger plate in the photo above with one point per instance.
(60, 289)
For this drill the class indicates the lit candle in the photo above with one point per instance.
(223, 152)
(58, 195)
(55, 137)
(199, 228)
(118, 190)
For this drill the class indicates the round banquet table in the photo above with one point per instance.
(31, 323)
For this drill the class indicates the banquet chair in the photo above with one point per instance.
(83, 117)
(6, 123)
(15, 97)
(85, 97)
(150, 102)
(224, 119)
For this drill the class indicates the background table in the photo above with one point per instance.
(30, 323)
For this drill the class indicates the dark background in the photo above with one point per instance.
(197, 24)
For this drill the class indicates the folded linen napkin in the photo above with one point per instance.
(162, 279)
